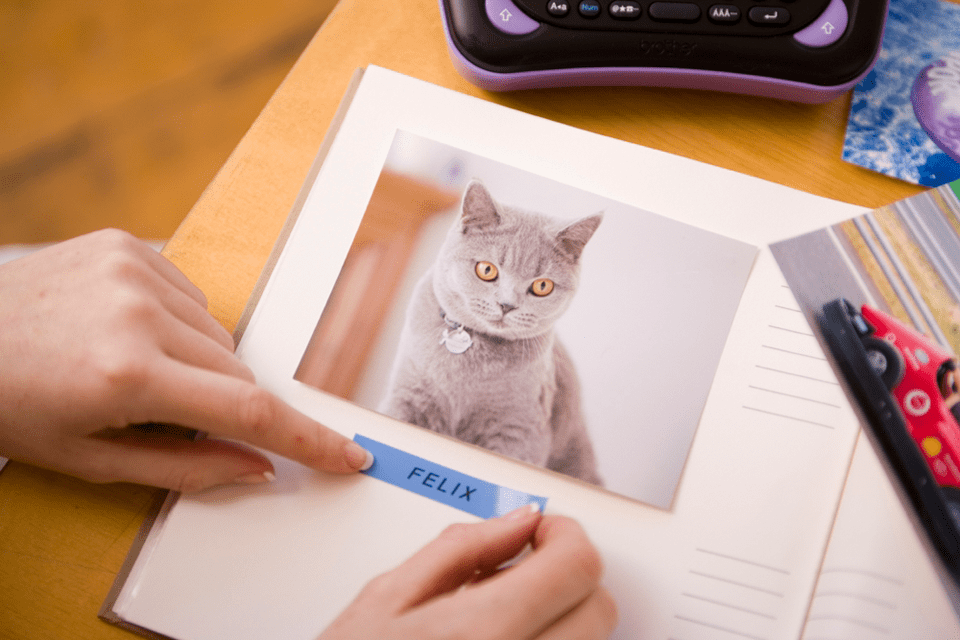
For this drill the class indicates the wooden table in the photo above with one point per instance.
(62, 541)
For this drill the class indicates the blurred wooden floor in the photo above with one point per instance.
(116, 113)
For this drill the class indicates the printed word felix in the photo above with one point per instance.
(430, 479)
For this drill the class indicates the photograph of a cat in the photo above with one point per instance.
(478, 358)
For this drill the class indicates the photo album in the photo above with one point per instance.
(882, 292)
(506, 310)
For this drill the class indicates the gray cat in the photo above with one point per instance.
(478, 359)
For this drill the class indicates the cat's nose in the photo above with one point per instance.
(507, 307)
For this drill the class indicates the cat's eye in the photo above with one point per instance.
(542, 287)
(487, 271)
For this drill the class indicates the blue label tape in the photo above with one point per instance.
(443, 484)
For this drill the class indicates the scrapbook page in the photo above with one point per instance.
(606, 313)
(720, 436)
(882, 294)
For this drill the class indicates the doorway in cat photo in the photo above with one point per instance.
(535, 319)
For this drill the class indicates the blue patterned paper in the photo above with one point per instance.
(883, 133)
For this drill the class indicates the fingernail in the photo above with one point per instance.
(358, 457)
(523, 512)
(255, 478)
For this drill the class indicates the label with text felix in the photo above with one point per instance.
(443, 484)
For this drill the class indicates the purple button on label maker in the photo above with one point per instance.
(505, 16)
(827, 29)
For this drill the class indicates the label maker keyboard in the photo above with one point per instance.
(801, 50)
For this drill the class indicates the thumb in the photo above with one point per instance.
(458, 555)
(171, 462)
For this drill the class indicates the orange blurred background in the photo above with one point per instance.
(116, 113)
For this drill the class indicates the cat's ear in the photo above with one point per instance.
(478, 210)
(573, 238)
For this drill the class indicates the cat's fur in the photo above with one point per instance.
(515, 390)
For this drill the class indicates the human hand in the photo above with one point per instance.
(101, 333)
(552, 593)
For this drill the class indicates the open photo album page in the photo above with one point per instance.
(530, 318)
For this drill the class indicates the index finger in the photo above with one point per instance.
(235, 408)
